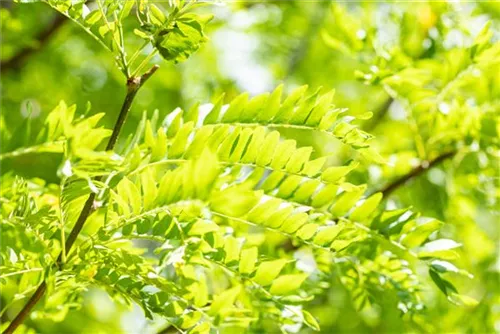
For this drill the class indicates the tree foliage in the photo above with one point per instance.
(219, 218)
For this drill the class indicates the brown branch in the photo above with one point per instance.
(391, 187)
(41, 40)
(133, 86)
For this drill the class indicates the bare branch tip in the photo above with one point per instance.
(150, 72)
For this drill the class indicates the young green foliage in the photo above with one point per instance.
(184, 217)
(191, 186)
(169, 27)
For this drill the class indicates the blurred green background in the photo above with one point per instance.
(358, 48)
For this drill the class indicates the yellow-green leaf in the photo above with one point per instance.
(268, 271)
(287, 284)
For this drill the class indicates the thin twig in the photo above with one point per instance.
(21, 272)
(49, 147)
(391, 187)
(133, 86)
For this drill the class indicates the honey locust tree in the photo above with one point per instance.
(195, 217)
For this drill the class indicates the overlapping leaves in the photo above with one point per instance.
(195, 184)
(171, 28)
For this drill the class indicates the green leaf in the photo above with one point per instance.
(143, 226)
(128, 229)
(462, 300)
(162, 226)
(224, 300)
(93, 17)
(418, 234)
(326, 235)
(447, 267)
(254, 146)
(127, 7)
(141, 34)
(324, 196)
(443, 266)
(226, 148)
(288, 107)
(442, 249)
(287, 284)
(440, 283)
(268, 149)
(313, 167)
(298, 159)
(234, 201)
(366, 209)
(310, 321)
(293, 222)
(333, 174)
(179, 42)
(307, 231)
(320, 109)
(267, 271)
(149, 189)
(231, 249)
(157, 16)
(203, 226)
(273, 105)
(346, 201)
(284, 151)
(255, 105)
(233, 113)
(179, 145)
(131, 194)
(261, 213)
(248, 257)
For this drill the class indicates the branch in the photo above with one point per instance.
(41, 40)
(388, 189)
(133, 86)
